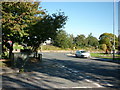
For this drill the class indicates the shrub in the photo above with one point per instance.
(103, 47)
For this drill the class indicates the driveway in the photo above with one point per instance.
(58, 70)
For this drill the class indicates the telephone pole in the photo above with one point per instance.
(114, 15)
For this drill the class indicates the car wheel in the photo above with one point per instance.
(76, 56)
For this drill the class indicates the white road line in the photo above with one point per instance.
(69, 54)
(79, 87)
(76, 87)
(98, 85)
(88, 80)
(109, 84)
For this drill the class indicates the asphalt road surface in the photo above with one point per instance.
(59, 70)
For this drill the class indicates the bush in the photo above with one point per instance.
(103, 47)
(49, 47)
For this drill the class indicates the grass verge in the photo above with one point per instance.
(106, 56)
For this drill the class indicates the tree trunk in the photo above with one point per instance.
(35, 50)
(10, 52)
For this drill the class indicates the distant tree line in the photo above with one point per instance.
(105, 41)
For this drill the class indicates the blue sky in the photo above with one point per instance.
(85, 17)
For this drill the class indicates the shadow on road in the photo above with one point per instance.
(107, 60)
(73, 71)
(99, 59)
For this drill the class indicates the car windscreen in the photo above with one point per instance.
(77, 51)
(83, 51)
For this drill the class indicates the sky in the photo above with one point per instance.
(85, 17)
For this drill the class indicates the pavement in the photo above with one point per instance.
(8, 70)
(107, 60)
(62, 70)
(41, 80)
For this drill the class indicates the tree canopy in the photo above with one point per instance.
(62, 40)
(108, 39)
(92, 41)
(26, 22)
(45, 29)
(83, 41)
(80, 40)
(17, 17)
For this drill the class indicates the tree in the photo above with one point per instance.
(16, 18)
(104, 47)
(45, 29)
(108, 39)
(26, 22)
(119, 43)
(92, 41)
(62, 40)
(71, 41)
(80, 40)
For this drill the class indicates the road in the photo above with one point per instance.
(59, 70)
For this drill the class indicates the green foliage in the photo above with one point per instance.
(103, 47)
(17, 47)
(17, 17)
(62, 40)
(92, 41)
(25, 22)
(21, 70)
(71, 41)
(45, 29)
(5, 54)
(108, 39)
(80, 40)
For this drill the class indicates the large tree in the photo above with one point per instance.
(26, 22)
(17, 17)
(80, 40)
(92, 41)
(71, 41)
(108, 39)
(46, 28)
(62, 40)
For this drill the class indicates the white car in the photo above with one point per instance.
(82, 53)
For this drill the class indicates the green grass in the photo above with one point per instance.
(106, 56)
(50, 47)
(17, 47)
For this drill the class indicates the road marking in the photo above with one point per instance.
(109, 84)
(98, 85)
(88, 80)
(81, 87)
(69, 54)
(77, 87)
